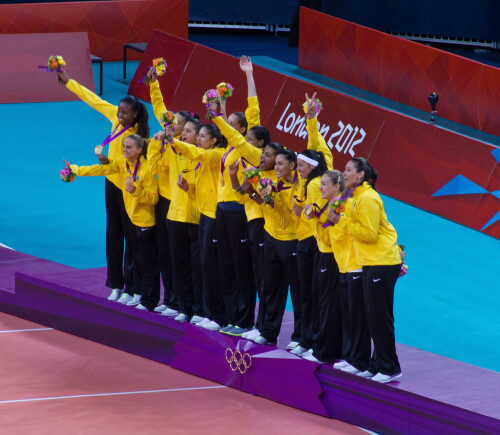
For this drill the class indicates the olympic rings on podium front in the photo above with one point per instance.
(238, 361)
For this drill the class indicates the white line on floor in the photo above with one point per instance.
(27, 330)
(109, 394)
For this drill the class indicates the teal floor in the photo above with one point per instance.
(447, 304)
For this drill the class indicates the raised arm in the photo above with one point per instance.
(156, 97)
(316, 141)
(87, 96)
(96, 170)
(252, 113)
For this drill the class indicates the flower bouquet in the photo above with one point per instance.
(67, 174)
(211, 96)
(55, 63)
(225, 89)
(337, 205)
(316, 102)
(159, 66)
(253, 176)
(168, 118)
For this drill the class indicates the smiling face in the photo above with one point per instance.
(189, 133)
(267, 159)
(351, 175)
(304, 168)
(283, 167)
(125, 114)
(205, 139)
(328, 188)
(130, 149)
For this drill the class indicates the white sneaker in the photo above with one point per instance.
(261, 340)
(125, 298)
(181, 317)
(350, 369)
(136, 300)
(204, 322)
(299, 350)
(306, 353)
(160, 308)
(196, 319)
(169, 312)
(379, 377)
(115, 294)
(251, 335)
(141, 307)
(292, 345)
(340, 364)
(312, 358)
(365, 374)
(211, 325)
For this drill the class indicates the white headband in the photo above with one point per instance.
(308, 160)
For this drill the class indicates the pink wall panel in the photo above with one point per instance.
(414, 159)
(401, 70)
(110, 24)
(20, 79)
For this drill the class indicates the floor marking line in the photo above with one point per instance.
(25, 330)
(109, 394)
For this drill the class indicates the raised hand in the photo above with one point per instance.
(159, 136)
(233, 167)
(152, 75)
(311, 106)
(62, 77)
(246, 64)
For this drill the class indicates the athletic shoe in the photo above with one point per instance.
(136, 300)
(365, 374)
(261, 340)
(380, 377)
(115, 294)
(350, 369)
(196, 319)
(181, 317)
(204, 322)
(292, 345)
(160, 308)
(169, 312)
(340, 364)
(125, 298)
(299, 350)
(226, 328)
(141, 307)
(211, 325)
(306, 353)
(312, 358)
(237, 331)
(251, 335)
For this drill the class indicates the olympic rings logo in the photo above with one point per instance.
(238, 361)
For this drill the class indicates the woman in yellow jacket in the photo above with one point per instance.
(140, 194)
(129, 117)
(376, 250)
(307, 246)
(207, 153)
(357, 355)
(182, 220)
(170, 305)
(327, 340)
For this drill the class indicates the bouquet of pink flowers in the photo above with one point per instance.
(211, 96)
(67, 174)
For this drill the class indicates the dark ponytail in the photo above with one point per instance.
(189, 115)
(261, 133)
(319, 170)
(371, 175)
(142, 116)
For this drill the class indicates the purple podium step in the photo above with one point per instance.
(435, 394)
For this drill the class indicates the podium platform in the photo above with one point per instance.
(435, 394)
